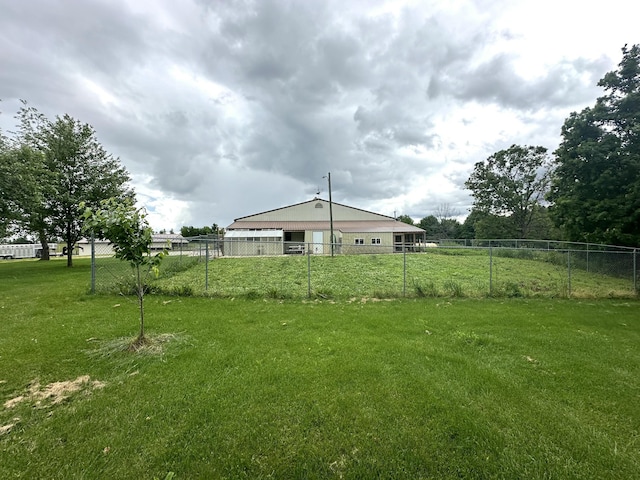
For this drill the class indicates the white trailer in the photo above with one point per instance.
(18, 251)
(27, 250)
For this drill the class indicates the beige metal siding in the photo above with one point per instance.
(241, 247)
(314, 211)
(349, 246)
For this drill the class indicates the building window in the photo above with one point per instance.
(318, 205)
(375, 241)
(359, 241)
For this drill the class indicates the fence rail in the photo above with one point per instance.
(210, 266)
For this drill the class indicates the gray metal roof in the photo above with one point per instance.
(172, 237)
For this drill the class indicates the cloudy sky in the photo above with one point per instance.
(220, 109)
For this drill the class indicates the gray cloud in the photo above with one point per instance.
(235, 106)
(566, 83)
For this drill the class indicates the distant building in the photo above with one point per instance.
(174, 243)
(296, 228)
(170, 241)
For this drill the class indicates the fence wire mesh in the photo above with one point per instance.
(270, 269)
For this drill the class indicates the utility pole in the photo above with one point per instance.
(330, 212)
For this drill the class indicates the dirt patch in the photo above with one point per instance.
(6, 428)
(55, 392)
(14, 401)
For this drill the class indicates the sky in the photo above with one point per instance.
(222, 109)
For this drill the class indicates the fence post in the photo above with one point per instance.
(569, 273)
(93, 263)
(635, 271)
(490, 270)
(404, 269)
(206, 266)
(308, 270)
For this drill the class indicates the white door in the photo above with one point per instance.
(317, 242)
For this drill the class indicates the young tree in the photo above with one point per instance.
(126, 227)
(596, 184)
(76, 169)
(512, 183)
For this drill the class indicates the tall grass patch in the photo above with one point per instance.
(447, 273)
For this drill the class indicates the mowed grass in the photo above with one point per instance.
(403, 388)
(439, 273)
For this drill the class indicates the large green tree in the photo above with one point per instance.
(512, 184)
(24, 186)
(480, 225)
(6, 186)
(77, 169)
(596, 184)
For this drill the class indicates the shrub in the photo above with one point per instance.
(252, 295)
(183, 291)
(429, 289)
(512, 290)
(453, 288)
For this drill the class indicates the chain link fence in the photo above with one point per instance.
(214, 266)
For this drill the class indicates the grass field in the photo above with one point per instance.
(441, 273)
(348, 388)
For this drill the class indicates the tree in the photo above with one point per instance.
(512, 183)
(480, 225)
(199, 231)
(468, 229)
(596, 185)
(542, 227)
(77, 169)
(430, 225)
(440, 229)
(23, 187)
(6, 186)
(494, 226)
(126, 227)
(405, 219)
(445, 211)
(448, 227)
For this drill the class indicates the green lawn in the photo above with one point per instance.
(441, 273)
(345, 388)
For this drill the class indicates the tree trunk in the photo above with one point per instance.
(69, 254)
(44, 254)
(69, 247)
(141, 338)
